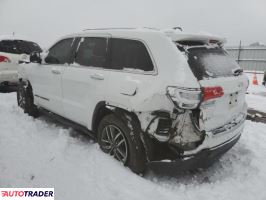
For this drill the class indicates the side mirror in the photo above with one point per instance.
(35, 57)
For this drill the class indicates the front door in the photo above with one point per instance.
(47, 77)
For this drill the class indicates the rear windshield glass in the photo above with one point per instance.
(18, 47)
(27, 47)
(210, 62)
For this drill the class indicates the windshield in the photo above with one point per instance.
(210, 62)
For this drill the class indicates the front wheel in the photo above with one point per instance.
(25, 99)
(122, 141)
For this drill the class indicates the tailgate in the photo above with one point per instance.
(229, 108)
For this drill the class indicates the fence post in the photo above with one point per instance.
(239, 49)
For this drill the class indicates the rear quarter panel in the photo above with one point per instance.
(171, 69)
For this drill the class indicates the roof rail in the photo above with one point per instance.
(115, 28)
(111, 28)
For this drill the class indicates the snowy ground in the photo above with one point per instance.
(42, 153)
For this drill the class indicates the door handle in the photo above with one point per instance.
(56, 71)
(97, 76)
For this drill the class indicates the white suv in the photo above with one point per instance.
(150, 97)
(12, 50)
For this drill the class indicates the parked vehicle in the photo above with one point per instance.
(12, 50)
(150, 97)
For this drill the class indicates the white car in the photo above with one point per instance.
(12, 50)
(151, 97)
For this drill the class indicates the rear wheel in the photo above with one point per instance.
(121, 140)
(25, 99)
(114, 143)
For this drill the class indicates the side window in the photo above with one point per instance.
(130, 54)
(92, 52)
(60, 52)
(8, 46)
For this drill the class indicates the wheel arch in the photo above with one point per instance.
(103, 108)
(130, 120)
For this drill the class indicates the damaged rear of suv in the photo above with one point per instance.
(207, 119)
(193, 108)
(151, 97)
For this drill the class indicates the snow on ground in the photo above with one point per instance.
(42, 153)
(256, 96)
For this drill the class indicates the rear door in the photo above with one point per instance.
(84, 82)
(215, 69)
(132, 72)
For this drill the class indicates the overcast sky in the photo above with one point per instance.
(46, 20)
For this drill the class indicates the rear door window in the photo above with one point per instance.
(210, 62)
(129, 55)
(92, 52)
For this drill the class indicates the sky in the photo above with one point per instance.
(44, 21)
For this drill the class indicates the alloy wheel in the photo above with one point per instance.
(21, 98)
(114, 143)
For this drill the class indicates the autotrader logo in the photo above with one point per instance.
(26, 193)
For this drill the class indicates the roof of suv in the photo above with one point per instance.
(12, 37)
(175, 35)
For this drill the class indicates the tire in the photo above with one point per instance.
(3, 88)
(25, 99)
(119, 130)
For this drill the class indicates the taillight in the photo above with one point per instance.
(4, 59)
(212, 92)
(187, 98)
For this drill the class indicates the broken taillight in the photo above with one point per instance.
(187, 98)
(212, 92)
(4, 59)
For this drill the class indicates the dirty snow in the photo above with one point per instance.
(42, 153)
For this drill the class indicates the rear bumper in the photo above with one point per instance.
(202, 159)
(10, 77)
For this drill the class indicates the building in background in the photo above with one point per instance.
(252, 57)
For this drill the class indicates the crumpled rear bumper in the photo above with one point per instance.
(202, 159)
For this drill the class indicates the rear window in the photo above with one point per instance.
(210, 62)
(8, 46)
(130, 54)
(27, 47)
(18, 47)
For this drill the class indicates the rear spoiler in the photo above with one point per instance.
(207, 39)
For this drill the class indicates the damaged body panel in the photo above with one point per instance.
(190, 119)
(185, 119)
